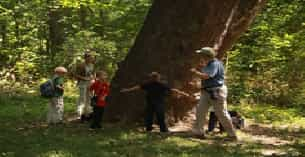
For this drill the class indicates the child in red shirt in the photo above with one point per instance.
(100, 88)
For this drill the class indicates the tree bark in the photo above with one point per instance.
(172, 31)
(82, 16)
(3, 34)
(56, 32)
(17, 31)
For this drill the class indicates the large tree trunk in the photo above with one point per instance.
(172, 31)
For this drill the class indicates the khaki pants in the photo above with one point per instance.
(220, 107)
(83, 104)
(56, 110)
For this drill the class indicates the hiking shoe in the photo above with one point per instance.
(164, 130)
(149, 129)
(82, 118)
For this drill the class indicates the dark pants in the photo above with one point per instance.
(213, 121)
(159, 110)
(97, 117)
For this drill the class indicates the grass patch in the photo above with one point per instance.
(23, 134)
(72, 141)
(269, 114)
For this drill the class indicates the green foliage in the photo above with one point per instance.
(36, 36)
(269, 114)
(74, 48)
(267, 65)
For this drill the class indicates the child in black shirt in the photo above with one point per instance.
(156, 91)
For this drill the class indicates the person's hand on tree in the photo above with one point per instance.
(123, 90)
(88, 79)
(185, 94)
(180, 93)
(193, 98)
(92, 81)
(193, 70)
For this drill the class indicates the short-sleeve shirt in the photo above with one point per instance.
(84, 70)
(215, 70)
(58, 80)
(101, 90)
(155, 92)
(89, 69)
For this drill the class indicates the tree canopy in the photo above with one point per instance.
(266, 65)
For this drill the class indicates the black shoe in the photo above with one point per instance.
(89, 117)
(149, 129)
(82, 118)
(95, 126)
(98, 127)
(164, 130)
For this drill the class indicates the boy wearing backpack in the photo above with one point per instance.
(56, 106)
(100, 88)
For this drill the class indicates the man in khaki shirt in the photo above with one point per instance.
(84, 74)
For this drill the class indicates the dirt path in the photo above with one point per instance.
(274, 141)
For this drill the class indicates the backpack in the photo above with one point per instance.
(47, 89)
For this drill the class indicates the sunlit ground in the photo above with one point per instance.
(270, 131)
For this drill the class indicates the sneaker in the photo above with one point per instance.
(164, 130)
(99, 127)
(88, 117)
(82, 118)
(148, 129)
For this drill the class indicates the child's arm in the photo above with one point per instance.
(180, 92)
(134, 88)
(195, 85)
(106, 91)
(82, 77)
(78, 73)
(60, 86)
(92, 88)
(193, 98)
(202, 75)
